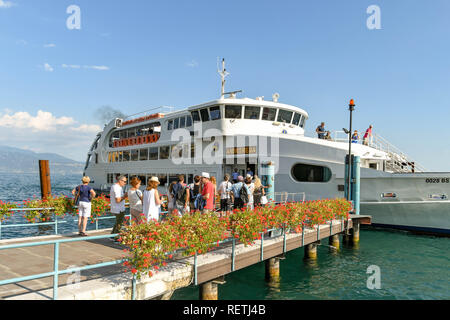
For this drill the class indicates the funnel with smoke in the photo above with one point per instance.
(106, 113)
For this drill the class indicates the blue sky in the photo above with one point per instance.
(134, 55)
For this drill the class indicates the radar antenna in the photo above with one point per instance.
(223, 73)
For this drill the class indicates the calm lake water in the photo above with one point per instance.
(411, 266)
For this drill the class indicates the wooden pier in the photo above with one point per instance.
(112, 282)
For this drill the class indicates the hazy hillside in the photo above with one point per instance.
(14, 160)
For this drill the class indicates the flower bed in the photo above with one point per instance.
(149, 244)
(54, 205)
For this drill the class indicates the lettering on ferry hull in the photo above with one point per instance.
(437, 180)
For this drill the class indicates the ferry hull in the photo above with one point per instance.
(420, 216)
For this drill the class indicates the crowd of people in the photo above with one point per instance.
(234, 192)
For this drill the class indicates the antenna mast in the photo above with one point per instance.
(223, 73)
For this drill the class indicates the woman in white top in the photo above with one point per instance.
(135, 199)
(251, 189)
(151, 204)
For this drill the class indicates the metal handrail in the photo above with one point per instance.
(56, 272)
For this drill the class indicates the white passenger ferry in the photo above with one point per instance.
(244, 133)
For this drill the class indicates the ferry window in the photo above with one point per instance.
(215, 113)
(192, 150)
(205, 115)
(176, 123)
(302, 122)
(143, 154)
(195, 116)
(134, 155)
(164, 153)
(188, 121)
(252, 112)
(284, 116)
(126, 155)
(162, 179)
(153, 154)
(233, 112)
(131, 133)
(170, 125)
(296, 120)
(269, 114)
(182, 122)
(122, 134)
(190, 178)
(310, 173)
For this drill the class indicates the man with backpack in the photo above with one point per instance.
(181, 198)
(240, 193)
(194, 192)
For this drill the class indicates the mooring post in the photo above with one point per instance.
(273, 269)
(268, 180)
(355, 233)
(44, 172)
(311, 251)
(356, 186)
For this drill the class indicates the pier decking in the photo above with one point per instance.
(112, 283)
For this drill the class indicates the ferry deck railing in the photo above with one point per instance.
(399, 162)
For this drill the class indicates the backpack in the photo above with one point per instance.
(192, 194)
(244, 194)
(179, 194)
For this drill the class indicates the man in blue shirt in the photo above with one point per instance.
(321, 131)
(235, 175)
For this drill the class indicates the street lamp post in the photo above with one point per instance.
(351, 107)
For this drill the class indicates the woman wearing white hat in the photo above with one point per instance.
(151, 203)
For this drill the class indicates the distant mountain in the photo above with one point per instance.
(15, 160)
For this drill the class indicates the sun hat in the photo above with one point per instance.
(249, 176)
(205, 175)
(154, 179)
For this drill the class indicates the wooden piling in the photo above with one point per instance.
(209, 291)
(273, 269)
(355, 233)
(44, 172)
(311, 251)
(334, 241)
